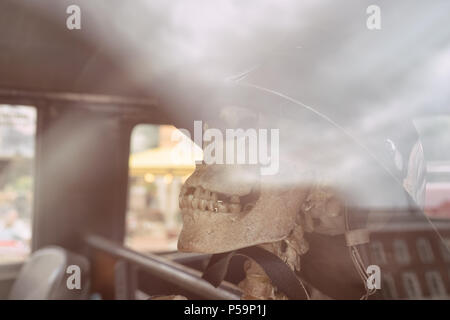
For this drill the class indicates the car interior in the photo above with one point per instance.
(100, 193)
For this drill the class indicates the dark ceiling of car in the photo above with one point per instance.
(316, 53)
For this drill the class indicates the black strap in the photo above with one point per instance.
(328, 267)
(282, 277)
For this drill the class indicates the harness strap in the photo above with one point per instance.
(282, 277)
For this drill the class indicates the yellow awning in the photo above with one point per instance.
(163, 160)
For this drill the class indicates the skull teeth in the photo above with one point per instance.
(199, 198)
(198, 192)
(203, 204)
(195, 203)
(189, 201)
(222, 207)
(211, 205)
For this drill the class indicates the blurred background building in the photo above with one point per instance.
(17, 137)
(161, 159)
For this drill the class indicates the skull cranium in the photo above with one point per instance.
(229, 207)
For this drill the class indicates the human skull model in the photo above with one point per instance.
(228, 207)
(225, 207)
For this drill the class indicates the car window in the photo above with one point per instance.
(158, 166)
(435, 137)
(17, 150)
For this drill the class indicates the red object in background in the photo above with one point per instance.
(443, 211)
(8, 243)
(437, 200)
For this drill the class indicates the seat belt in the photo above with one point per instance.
(343, 283)
(282, 277)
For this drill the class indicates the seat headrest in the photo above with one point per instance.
(45, 275)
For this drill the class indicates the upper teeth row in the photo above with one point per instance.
(207, 200)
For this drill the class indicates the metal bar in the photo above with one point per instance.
(167, 270)
(76, 97)
(125, 278)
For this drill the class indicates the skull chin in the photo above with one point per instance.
(215, 222)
